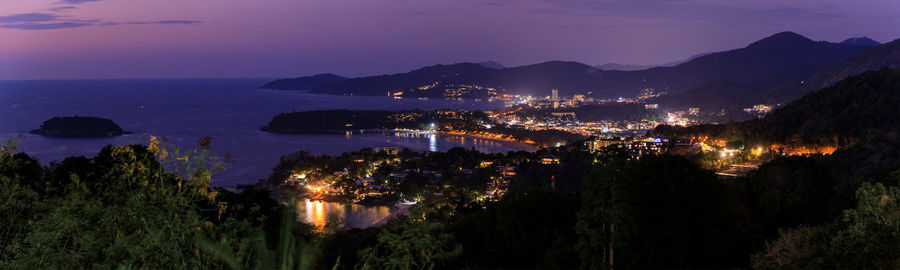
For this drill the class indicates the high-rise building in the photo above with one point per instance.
(554, 94)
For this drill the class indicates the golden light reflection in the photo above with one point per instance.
(319, 218)
(318, 214)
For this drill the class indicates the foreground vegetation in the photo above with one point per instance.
(152, 207)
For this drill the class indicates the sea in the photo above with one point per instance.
(230, 111)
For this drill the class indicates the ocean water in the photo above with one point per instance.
(230, 111)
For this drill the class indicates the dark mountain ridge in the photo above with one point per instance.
(782, 52)
(622, 67)
(786, 85)
(858, 108)
(304, 83)
(865, 41)
(884, 55)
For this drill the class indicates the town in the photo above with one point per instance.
(386, 175)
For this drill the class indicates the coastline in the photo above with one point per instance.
(410, 131)
(67, 134)
(467, 135)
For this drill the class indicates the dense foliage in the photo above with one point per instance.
(854, 109)
(147, 207)
(122, 209)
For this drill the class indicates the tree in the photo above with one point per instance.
(866, 237)
(416, 245)
(656, 212)
(19, 184)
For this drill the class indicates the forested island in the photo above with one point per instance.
(79, 126)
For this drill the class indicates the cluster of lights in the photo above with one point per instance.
(727, 153)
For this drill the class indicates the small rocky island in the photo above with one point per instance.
(79, 126)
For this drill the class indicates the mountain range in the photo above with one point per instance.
(630, 67)
(786, 85)
(859, 108)
(774, 69)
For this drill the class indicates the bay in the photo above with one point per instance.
(230, 111)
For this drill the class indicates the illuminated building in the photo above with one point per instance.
(548, 159)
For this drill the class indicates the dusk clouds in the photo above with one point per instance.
(28, 17)
(58, 9)
(283, 38)
(75, 2)
(50, 21)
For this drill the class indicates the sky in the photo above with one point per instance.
(82, 39)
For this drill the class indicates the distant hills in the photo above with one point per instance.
(885, 55)
(622, 67)
(786, 85)
(775, 69)
(304, 83)
(864, 41)
(630, 67)
(850, 109)
(858, 108)
(492, 64)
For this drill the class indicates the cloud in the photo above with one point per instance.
(183, 22)
(187, 22)
(76, 2)
(43, 23)
(44, 26)
(49, 21)
(28, 18)
(687, 10)
(58, 9)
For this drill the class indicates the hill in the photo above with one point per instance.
(885, 55)
(778, 53)
(856, 109)
(492, 64)
(865, 41)
(622, 67)
(787, 85)
(303, 83)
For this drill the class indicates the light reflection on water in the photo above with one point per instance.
(432, 143)
(318, 214)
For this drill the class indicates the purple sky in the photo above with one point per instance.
(42, 39)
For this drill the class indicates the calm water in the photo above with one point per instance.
(347, 215)
(228, 110)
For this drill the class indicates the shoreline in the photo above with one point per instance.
(68, 134)
(410, 131)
